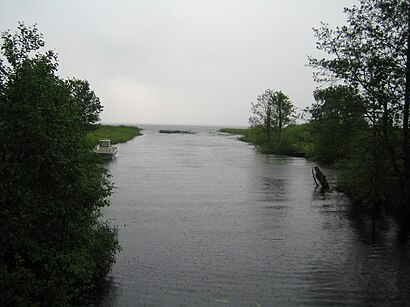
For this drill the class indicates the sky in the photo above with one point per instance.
(183, 62)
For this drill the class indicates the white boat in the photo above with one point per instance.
(105, 149)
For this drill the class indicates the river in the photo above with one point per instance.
(205, 220)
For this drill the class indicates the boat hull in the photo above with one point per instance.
(108, 153)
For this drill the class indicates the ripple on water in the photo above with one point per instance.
(204, 220)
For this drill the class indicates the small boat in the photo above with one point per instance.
(105, 149)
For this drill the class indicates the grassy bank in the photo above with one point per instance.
(296, 140)
(246, 134)
(117, 134)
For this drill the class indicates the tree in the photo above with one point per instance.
(337, 117)
(88, 102)
(371, 55)
(283, 112)
(54, 245)
(272, 110)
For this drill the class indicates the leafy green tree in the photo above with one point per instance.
(88, 102)
(337, 117)
(272, 110)
(262, 113)
(283, 113)
(54, 246)
(371, 55)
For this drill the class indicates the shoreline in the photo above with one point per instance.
(116, 133)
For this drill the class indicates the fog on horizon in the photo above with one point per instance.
(180, 61)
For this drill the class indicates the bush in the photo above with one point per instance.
(295, 139)
(54, 247)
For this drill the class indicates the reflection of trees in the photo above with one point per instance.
(359, 260)
(327, 253)
(271, 180)
(385, 260)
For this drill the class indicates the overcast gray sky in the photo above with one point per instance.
(181, 61)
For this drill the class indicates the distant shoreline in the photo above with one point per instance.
(176, 131)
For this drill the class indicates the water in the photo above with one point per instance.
(205, 220)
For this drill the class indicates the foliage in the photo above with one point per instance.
(273, 114)
(117, 134)
(272, 110)
(245, 134)
(54, 247)
(337, 116)
(361, 180)
(370, 55)
(296, 139)
(88, 102)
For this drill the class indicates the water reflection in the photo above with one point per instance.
(273, 189)
(204, 220)
(403, 235)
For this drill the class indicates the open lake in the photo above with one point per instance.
(205, 220)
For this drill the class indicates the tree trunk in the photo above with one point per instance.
(268, 123)
(280, 120)
(375, 162)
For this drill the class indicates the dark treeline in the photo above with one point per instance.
(359, 122)
(55, 247)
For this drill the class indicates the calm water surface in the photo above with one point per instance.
(205, 220)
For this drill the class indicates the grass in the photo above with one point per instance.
(117, 134)
(296, 139)
(238, 131)
(246, 134)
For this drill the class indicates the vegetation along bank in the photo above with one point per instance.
(117, 134)
(56, 247)
(359, 122)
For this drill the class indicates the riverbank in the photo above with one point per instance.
(207, 220)
(117, 134)
(296, 140)
(244, 133)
